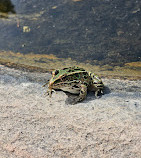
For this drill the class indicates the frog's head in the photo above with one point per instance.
(60, 73)
(57, 78)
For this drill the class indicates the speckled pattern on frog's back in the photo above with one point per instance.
(67, 72)
(71, 77)
(72, 82)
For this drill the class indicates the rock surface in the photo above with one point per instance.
(33, 126)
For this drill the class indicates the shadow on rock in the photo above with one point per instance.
(91, 96)
(106, 90)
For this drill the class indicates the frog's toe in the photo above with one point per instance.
(102, 92)
(47, 93)
(98, 93)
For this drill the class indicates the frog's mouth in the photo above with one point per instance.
(52, 85)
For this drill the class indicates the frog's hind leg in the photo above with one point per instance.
(83, 93)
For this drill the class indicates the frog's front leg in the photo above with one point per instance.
(83, 93)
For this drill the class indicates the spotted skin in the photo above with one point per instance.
(75, 80)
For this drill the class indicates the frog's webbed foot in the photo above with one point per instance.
(98, 93)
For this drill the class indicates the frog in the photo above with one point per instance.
(75, 80)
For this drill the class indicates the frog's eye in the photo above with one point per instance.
(56, 72)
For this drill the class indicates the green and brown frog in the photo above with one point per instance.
(75, 80)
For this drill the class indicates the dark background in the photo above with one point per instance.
(102, 32)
